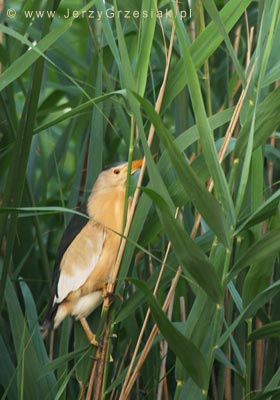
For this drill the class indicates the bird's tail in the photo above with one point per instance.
(47, 323)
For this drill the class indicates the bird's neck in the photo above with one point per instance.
(107, 209)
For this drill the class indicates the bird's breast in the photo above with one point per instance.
(107, 209)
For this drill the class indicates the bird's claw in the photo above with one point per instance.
(94, 342)
(107, 295)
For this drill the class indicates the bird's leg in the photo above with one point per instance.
(90, 335)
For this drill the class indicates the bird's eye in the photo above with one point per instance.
(116, 171)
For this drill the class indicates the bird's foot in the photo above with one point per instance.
(93, 340)
(90, 335)
(107, 295)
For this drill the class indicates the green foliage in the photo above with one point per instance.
(79, 89)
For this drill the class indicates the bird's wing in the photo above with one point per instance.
(76, 224)
(79, 260)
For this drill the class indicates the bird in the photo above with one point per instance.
(88, 250)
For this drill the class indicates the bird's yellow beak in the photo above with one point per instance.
(136, 165)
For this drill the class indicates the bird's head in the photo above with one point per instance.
(116, 175)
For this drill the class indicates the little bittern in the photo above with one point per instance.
(88, 250)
